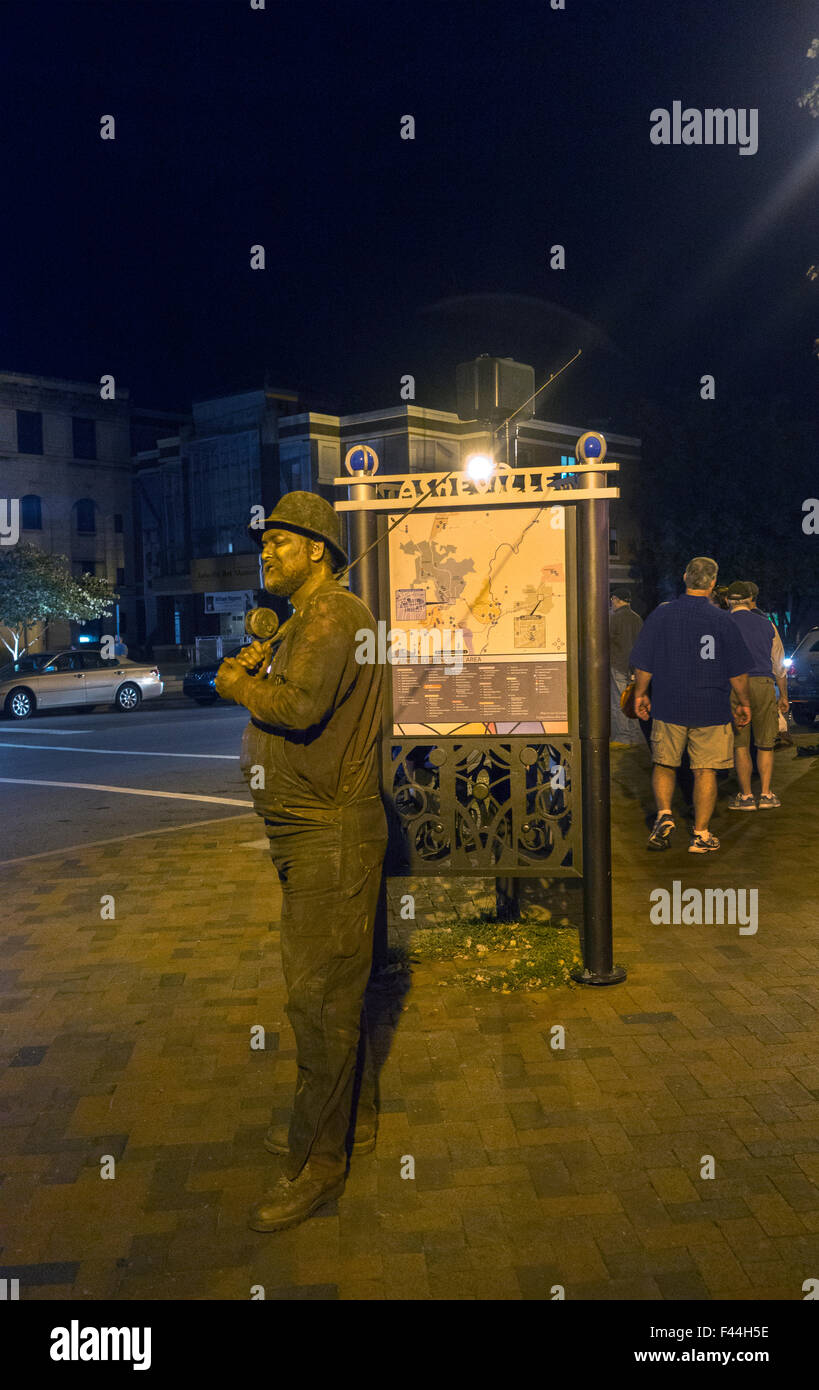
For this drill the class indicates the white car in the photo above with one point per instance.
(51, 680)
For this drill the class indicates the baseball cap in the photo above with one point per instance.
(741, 590)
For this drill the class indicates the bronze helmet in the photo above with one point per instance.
(308, 515)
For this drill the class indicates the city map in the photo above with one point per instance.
(493, 584)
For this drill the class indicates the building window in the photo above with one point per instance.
(88, 566)
(118, 522)
(29, 432)
(85, 438)
(31, 513)
(120, 576)
(613, 550)
(86, 520)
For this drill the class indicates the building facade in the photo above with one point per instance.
(66, 455)
(194, 492)
(410, 439)
(158, 502)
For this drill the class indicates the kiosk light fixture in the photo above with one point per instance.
(480, 467)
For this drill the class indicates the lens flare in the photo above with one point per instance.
(479, 468)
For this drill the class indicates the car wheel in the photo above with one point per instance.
(128, 697)
(20, 703)
(803, 715)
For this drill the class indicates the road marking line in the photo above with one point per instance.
(115, 839)
(126, 791)
(124, 752)
(44, 732)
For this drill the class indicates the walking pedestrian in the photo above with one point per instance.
(624, 625)
(768, 688)
(694, 656)
(309, 755)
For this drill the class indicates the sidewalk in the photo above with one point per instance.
(533, 1167)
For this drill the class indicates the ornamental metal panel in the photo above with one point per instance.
(483, 806)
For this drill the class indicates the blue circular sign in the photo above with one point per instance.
(590, 447)
(361, 458)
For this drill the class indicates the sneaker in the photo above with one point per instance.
(768, 800)
(661, 831)
(703, 843)
(742, 803)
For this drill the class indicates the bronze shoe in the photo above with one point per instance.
(276, 1139)
(289, 1203)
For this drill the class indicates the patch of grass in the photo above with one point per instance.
(501, 956)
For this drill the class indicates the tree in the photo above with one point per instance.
(40, 588)
(810, 98)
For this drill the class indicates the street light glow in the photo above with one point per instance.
(480, 467)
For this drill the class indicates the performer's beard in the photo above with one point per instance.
(283, 578)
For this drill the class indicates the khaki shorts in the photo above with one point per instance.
(764, 714)
(709, 746)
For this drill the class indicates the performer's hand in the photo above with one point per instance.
(642, 706)
(742, 715)
(254, 655)
(230, 672)
(784, 704)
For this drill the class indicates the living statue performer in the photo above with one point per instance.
(315, 716)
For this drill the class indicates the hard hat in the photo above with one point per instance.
(308, 515)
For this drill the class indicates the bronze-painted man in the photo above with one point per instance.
(315, 715)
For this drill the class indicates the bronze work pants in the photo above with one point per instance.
(330, 876)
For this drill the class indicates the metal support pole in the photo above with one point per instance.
(507, 890)
(595, 730)
(361, 534)
(507, 899)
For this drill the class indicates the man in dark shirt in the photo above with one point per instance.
(624, 624)
(694, 656)
(309, 756)
(766, 672)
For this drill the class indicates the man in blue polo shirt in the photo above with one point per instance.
(765, 674)
(693, 654)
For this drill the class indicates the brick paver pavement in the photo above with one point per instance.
(130, 1038)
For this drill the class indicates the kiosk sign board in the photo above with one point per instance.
(495, 749)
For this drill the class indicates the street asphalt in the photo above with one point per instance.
(76, 777)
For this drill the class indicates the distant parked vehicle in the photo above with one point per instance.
(803, 678)
(198, 681)
(52, 680)
(32, 661)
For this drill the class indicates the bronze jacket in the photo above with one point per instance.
(316, 713)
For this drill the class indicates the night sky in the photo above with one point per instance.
(385, 256)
